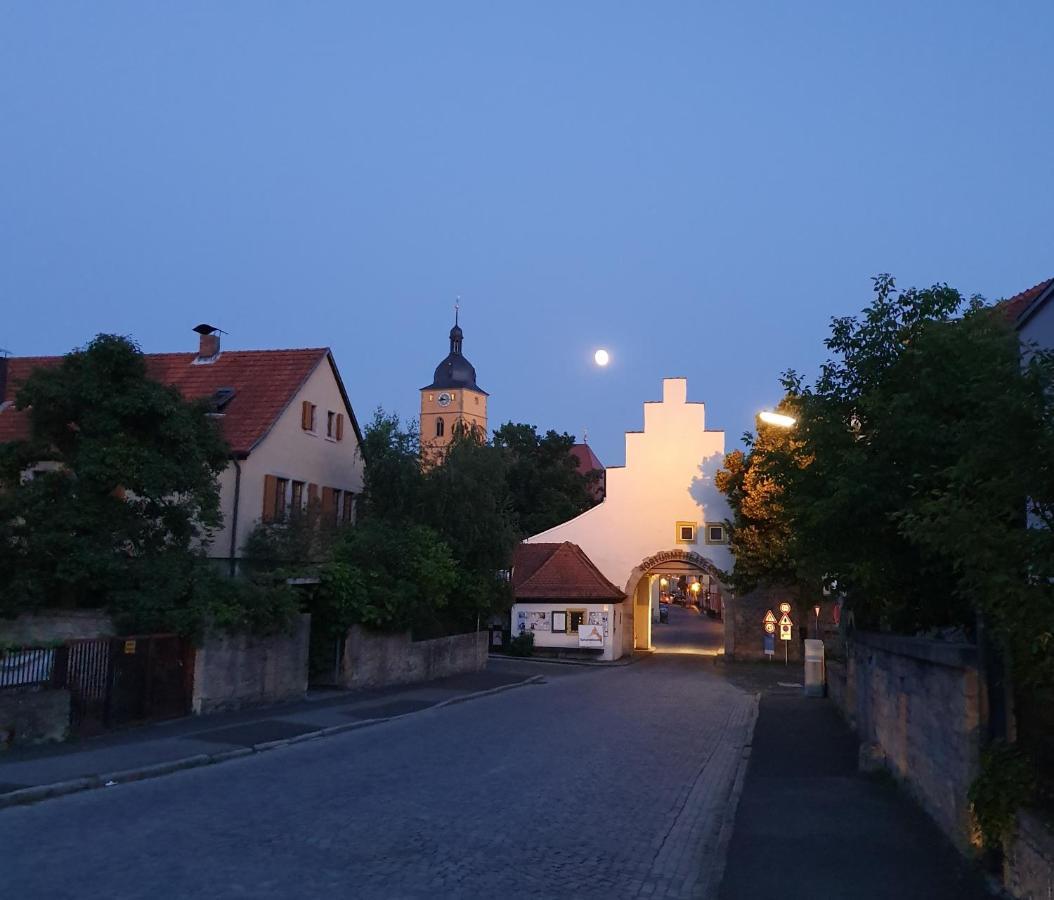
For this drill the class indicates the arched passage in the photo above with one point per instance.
(644, 586)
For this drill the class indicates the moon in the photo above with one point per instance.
(601, 357)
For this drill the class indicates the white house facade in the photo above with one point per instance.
(662, 515)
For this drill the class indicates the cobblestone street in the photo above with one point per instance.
(599, 782)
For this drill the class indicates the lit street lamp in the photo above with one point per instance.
(777, 419)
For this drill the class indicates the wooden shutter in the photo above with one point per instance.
(340, 426)
(329, 504)
(305, 415)
(270, 492)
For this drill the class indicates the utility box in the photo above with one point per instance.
(814, 674)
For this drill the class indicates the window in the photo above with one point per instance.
(307, 415)
(686, 532)
(331, 424)
(440, 427)
(296, 503)
(575, 618)
(559, 619)
(716, 534)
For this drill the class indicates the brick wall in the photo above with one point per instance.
(919, 704)
(234, 670)
(372, 659)
(1028, 866)
(33, 629)
(33, 715)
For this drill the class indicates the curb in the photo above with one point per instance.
(614, 664)
(38, 792)
(724, 836)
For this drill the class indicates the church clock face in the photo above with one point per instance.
(444, 399)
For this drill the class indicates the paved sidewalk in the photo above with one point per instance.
(809, 825)
(162, 747)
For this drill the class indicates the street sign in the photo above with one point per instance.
(770, 628)
(770, 643)
(785, 632)
(785, 608)
(770, 616)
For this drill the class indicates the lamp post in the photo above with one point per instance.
(695, 592)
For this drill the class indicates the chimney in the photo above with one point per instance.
(208, 344)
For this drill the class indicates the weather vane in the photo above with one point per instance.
(457, 307)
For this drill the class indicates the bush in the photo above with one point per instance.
(1005, 784)
(522, 644)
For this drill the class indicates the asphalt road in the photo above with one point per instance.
(688, 631)
(599, 783)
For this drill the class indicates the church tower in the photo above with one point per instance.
(453, 397)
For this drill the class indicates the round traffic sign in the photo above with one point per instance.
(770, 627)
(785, 608)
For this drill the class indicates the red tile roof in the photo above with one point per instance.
(265, 383)
(559, 572)
(587, 459)
(1015, 307)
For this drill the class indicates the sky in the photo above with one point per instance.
(696, 186)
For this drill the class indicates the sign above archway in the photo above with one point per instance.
(677, 561)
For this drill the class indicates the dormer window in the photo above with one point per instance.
(220, 399)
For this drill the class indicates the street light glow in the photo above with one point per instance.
(778, 419)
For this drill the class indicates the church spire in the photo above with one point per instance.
(456, 334)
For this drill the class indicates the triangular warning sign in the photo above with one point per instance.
(770, 616)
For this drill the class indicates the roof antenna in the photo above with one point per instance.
(585, 435)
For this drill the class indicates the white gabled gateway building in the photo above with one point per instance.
(662, 516)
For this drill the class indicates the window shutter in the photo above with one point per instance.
(329, 504)
(305, 415)
(340, 426)
(312, 495)
(270, 492)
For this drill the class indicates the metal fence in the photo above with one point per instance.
(23, 666)
(112, 681)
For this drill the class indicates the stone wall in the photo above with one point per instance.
(235, 670)
(917, 706)
(33, 715)
(1028, 866)
(744, 629)
(52, 627)
(372, 659)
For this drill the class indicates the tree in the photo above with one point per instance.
(123, 492)
(467, 502)
(545, 484)
(760, 532)
(914, 458)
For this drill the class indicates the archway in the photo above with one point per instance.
(649, 580)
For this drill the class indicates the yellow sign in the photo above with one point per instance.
(786, 620)
(129, 647)
(785, 632)
(770, 618)
(770, 628)
(785, 608)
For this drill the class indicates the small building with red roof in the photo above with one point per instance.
(566, 603)
(293, 435)
(1032, 314)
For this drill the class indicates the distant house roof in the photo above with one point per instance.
(559, 572)
(264, 383)
(587, 459)
(1019, 308)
